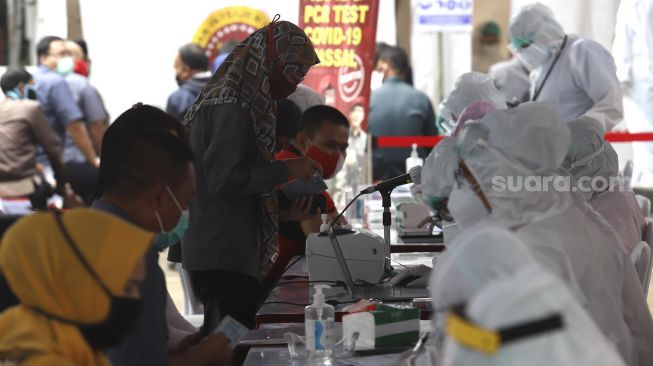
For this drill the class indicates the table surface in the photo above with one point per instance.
(268, 346)
(286, 302)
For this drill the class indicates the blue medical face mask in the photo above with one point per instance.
(28, 93)
(166, 239)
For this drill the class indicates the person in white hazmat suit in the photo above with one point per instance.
(558, 226)
(511, 77)
(468, 88)
(633, 52)
(537, 319)
(437, 182)
(577, 76)
(594, 165)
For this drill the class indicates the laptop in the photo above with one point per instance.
(384, 292)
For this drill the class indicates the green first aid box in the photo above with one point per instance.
(387, 326)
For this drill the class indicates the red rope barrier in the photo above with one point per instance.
(430, 141)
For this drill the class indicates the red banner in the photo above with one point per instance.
(344, 35)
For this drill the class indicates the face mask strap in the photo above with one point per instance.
(272, 46)
(85, 264)
(174, 198)
(586, 159)
(78, 253)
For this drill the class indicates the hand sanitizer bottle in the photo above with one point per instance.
(414, 159)
(324, 226)
(319, 319)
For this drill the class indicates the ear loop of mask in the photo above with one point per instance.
(586, 159)
(271, 46)
(174, 199)
(87, 266)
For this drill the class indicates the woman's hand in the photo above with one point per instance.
(302, 167)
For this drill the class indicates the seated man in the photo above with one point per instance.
(323, 136)
(150, 183)
(24, 126)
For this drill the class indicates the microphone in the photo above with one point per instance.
(414, 175)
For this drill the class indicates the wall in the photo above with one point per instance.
(133, 43)
(444, 57)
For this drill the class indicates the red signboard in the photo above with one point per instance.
(344, 35)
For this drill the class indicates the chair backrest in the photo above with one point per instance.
(628, 173)
(641, 258)
(644, 204)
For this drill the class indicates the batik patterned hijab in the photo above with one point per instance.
(244, 79)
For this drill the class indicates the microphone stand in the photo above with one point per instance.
(387, 222)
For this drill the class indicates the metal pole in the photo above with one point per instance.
(387, 222)
(15, 29)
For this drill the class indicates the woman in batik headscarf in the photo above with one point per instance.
(232, 239)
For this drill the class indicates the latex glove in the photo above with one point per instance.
(416, 191)
(421, 272)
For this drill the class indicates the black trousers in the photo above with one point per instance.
(227, 293)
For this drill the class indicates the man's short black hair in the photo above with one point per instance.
(315, 116)
(43, 47)
(228, 47)
(193, 56)
(289, 118)
(396, 58)
(380, 47)
(13, 77)
(148, 157)
(138, 117)
(82, 44)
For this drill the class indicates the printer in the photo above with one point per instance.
(363, 251)
(413, 224)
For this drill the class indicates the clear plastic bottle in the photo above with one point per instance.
(414, 159)
(319, 319)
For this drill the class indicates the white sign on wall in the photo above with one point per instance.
(442, 15)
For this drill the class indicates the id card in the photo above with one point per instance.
(232, 329)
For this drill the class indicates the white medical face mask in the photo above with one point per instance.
(376, 80)
(534, 55)
(466, 207)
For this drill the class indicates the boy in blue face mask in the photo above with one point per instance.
(23, 126)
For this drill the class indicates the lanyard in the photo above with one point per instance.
(539, 90)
